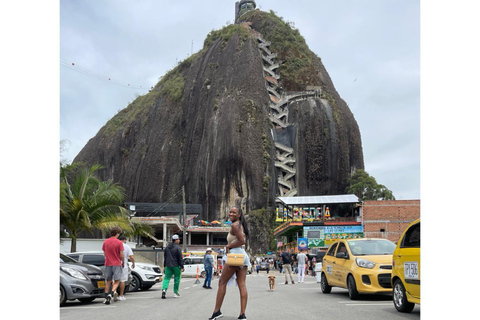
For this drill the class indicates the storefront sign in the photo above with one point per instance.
(320, 236)
(302, 243)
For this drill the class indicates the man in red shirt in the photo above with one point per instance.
(114, 261)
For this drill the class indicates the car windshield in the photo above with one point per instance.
(371, 247)
(65, 259)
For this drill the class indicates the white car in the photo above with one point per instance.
(190, 264)
(144, 276)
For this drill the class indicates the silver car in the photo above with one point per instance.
(80, 281)
(97, 258)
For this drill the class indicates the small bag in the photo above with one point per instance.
(235, 259)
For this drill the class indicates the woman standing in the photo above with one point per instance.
(236, 239)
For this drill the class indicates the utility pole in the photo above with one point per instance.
(184, 221)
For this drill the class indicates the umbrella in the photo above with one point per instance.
(215, 222)
(228, 222)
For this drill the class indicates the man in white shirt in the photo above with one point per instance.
(128, 253)
(301, 258)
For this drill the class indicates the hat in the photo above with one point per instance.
(209, 249)
(175, 237)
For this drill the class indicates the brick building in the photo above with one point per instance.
(388, 219)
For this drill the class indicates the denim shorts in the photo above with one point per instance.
(246, 260)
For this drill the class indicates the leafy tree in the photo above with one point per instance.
(365, 187)
(87, 203)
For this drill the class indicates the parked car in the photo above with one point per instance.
(406, 269)
(80, 281)
(96, 258)
(359, 265)
(144, 276)
(191, 264)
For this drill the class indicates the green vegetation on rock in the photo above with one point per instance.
(298, 67)
(226, 33)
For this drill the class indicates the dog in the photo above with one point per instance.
(271, 282)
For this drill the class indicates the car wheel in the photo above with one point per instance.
(63, 296)
(324, 284)
(203, 274)
(400, 298)
(86, 300)
(135, 284)
(352, 288)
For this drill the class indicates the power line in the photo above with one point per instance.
(86, 72)
(163, 205)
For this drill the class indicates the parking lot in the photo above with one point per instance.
(304, 301)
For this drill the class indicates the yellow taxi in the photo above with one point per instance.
(406, 269)
(360, 265)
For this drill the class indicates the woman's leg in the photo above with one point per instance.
(222, 286)
(242, 287)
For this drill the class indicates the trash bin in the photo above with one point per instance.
(318, 270)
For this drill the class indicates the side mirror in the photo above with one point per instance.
(342, 255)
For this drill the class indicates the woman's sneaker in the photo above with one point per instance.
(164, 293)
(176, 295)
(242, 316)
(216, 315)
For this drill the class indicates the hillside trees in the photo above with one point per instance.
(365, 187)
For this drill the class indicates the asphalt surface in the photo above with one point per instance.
(298, 301)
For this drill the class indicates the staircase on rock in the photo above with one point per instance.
(285, 162)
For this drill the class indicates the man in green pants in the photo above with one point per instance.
(173, 264)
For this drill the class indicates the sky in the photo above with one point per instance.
(371, 50)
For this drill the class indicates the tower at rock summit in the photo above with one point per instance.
(252, 116)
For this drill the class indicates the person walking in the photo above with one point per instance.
(128, 253)
(208, 265)
(114, 262)
(287, 265)
(236, 239)
(173, 265)
(280, 265)
(301, 258)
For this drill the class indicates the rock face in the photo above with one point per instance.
(207, 125)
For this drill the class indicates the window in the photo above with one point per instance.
(331, 251)
(96, 260)
(371, 247)
(74, 256)
(341, 247)
(313, 234)
(412, 237)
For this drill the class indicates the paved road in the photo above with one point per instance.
(299, 301)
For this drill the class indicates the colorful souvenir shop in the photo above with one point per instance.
(310, 223)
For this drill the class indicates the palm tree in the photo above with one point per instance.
(139, 229)
(87, 203)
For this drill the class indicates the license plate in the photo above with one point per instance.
(101, 284)
(411, 270)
